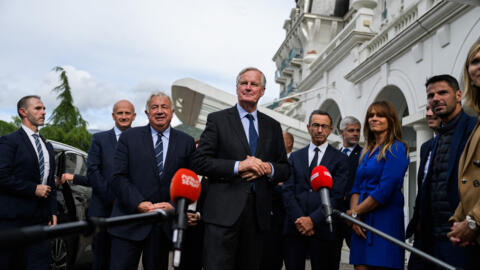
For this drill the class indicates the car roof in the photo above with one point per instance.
(65, 147)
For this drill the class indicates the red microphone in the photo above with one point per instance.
(321, 180)
(185, 188)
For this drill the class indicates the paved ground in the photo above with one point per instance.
(343, 262)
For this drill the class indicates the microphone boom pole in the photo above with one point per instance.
(394, 240)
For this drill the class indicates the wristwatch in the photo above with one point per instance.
(472, 224)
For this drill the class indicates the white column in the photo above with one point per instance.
(424, 133)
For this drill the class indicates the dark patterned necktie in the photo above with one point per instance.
(41, 161)
(252, 136)
(314, 162)
(159, 153)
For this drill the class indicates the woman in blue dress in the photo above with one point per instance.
(376, 194)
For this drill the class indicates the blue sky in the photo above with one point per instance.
(114, 49)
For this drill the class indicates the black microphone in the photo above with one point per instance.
(321, 179)
(184, 189)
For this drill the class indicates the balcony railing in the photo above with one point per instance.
(295, 53)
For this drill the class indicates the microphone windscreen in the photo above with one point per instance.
(321, 178)
(185, 184)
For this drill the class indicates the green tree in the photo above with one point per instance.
(9, 127)
(66, 124)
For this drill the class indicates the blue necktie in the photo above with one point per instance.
(41, 162)
(252, 136)
(253, 142)
(159, 153)
(345, 151)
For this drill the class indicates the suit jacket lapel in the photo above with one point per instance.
(148, 144)
(472, 143)
(326, 157)
(237, 127)
(112, 138)
(30, 148)
(263, 134)
(170, 158)
(303, 159)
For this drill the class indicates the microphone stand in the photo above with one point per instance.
(27, 235)
(394, 240)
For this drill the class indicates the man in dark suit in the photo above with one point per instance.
(27, 185)
(438, 195)
(350, 132)
(145, 161)
(413, 228)
(99, 176)
(241, 152)
(306, 229)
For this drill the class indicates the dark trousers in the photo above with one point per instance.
(125, 254)
(324, 254)
(191, 258)
(236, 247)
(272, 258)
(101, 250)
(31, 257)
(461, 257)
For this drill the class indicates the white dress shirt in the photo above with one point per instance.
(46, 156)
(311, 152)
(165, 138)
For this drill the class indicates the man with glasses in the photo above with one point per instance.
(307, 231)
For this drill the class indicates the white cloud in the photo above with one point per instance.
(126, 49)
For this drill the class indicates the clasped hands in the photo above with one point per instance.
(460, 234)
(357, 229)
(305, 226)
(252, 168)
(144, 207)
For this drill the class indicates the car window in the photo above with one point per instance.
(75, 164)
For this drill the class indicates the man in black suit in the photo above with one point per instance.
(100, 172)
(413, 227)
(145, 161)
(27, 185)
(350, 132)
(241, 152)
(306, 229)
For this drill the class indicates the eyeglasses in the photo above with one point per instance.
(323, 126)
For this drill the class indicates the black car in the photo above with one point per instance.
(73, 202)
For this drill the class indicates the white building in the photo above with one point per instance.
(340, 56)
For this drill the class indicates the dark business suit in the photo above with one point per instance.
(272, 258)
(416, 262)
(99, 173)
(231, 206)
(19, 206)
(300, 200)
(136, 179)
(460, 136)
(353, 160)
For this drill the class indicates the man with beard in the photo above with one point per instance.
(438, 195)
(27, 185)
